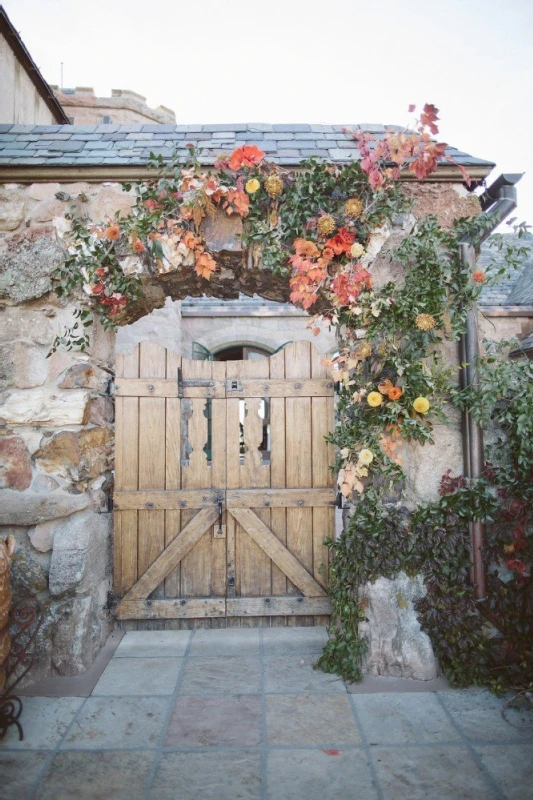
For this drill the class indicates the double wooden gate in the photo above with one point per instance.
(224, 492)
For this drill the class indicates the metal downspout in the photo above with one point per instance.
(498, 201)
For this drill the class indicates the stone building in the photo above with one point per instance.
(25, 98)
(83, 107)
(57, 412)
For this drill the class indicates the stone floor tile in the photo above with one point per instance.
(478, 713)
(404, 719)
(295, 673)
(134, 676)
(300, 720)
(97, 776)
(208, 776)
(511, 766)
(108, 722)
(153, 644)
(44, 721)
(211, 721)
(19, 772)
(225, 642)
(317, 775)
(289, 640)
(429, 773)
(222, 675)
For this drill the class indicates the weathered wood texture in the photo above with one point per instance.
(245, 434)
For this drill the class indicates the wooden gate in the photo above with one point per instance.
(224, 492)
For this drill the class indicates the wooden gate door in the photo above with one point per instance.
(224, 492)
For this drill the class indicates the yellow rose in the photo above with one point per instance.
(357, 250)
(252, 185)
(375, 399)
(421, 404)
(366, 457)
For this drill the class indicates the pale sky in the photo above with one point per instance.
(327, 61)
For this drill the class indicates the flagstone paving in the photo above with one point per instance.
(241, 714)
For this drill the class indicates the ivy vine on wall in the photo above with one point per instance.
(322, 226)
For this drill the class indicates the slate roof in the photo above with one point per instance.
(121, 145)
(517, 288)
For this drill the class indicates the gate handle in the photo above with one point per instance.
(220, 507)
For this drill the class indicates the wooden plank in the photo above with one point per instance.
(152, 363)
(197, 566)
(126, 476)
(254, 569)
(233, 472)
(266, 540)
(322, 422)
(248, 387)
(218, 481)
(172, 471)
(279, 498)
(173, 554)
(278, 516)
(157, 499)
(167, 387)
(298, 460)
(195, 608)
(276, 606)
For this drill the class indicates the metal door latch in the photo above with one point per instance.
(233, 385)
(220, 531)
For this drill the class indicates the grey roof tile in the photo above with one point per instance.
(90, 144)
(516, 289)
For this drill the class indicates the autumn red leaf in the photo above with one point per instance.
(204, 265)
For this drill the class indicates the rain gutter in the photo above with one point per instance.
(498, 201)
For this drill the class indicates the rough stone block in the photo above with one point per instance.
(76, 456)
(22, 365)
(85, 376)
(28, 264)
(15, 466)
(397, 646)
(41, 407)
(11, 209)
(223, 232)
(31, 508)
(42, 536)
(76, 635)
(81, 553)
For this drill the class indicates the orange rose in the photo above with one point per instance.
(395, 393)
(113, 233)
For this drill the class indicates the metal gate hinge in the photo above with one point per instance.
(202, 382)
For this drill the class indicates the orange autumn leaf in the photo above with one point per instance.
(204, 265)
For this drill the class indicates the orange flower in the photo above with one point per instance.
(395, 393)
(479, 276)
(245, 156)
(113, 233)
(342, 242)
(137, 246)
(304, 247)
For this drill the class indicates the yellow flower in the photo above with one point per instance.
(365, 350)
(274, 186)
(425, 322)
(421, 404)
(353, 207)
(366, 457)
(375, 399)
(326, 225)
(357, 250)
(252, 185)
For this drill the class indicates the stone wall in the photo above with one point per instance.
(57, 418)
